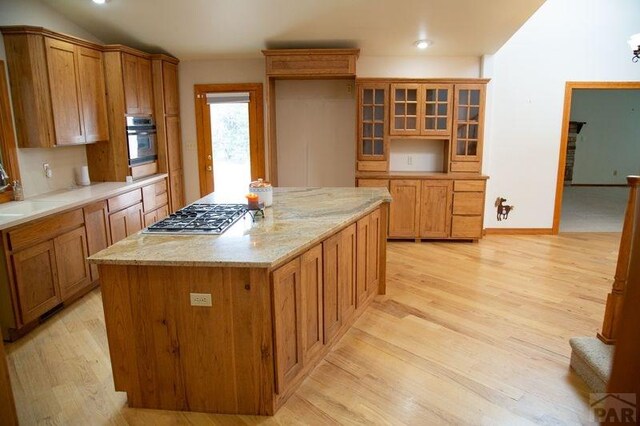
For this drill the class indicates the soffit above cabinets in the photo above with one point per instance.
(193, 29)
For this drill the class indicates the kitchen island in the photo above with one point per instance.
(233, 323)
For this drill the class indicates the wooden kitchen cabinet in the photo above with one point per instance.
(373, 118)
(405, 109)
(468, 128)
(347, 272)
(368, 251)
(125, 222)
(36, 280)
(71, 262)
(177, 190)
(404, 212)
(331, 257)
(435, 208)
(311, 303)
(138, 90)
(436, 107)
(287, 323)
(58, 88)
(96, 220)
(170, 82)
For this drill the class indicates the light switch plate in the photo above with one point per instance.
(200, 299)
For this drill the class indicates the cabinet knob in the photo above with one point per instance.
(209, 168)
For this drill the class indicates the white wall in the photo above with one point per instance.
(207, 72)
(316, 132)
(565, 40)
(608, 146)
(61, 160)
(419, 66)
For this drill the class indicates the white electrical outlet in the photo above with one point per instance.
(200, 299)
(349, 88)
(409, 160)
(47, 170)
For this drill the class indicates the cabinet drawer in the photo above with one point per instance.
(304, 64)
(161, 186)
(373, 183)
(372, 166)
(124, 200)
(465, 166)
(466, 227)
(468, 186)
(151, 200)
(162, 199)
(45, 229)
(469, 203)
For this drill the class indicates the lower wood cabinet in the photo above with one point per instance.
(36, 280)
(404, 214)
(71, 262)
(435, 208)
(96, 222)
(316, 296)
(125, 222)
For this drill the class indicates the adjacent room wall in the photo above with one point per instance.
(608, 146)
(565, 40)
(62, 160)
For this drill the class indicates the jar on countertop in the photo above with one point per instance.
(264, 190)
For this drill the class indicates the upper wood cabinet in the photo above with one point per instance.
(421, 109)
(138, 90)
(57, 87)
(170, 83)
(406, 106)
(373, 116)
(467, 143)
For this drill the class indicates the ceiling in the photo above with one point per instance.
(197, 29)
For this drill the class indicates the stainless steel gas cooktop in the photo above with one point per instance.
(212, 219)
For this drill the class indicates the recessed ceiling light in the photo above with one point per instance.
(423, 44)
(99, 1)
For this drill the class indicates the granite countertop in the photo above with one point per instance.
(298, 219)
(15, 213)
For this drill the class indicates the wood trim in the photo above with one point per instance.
(272, 143)
(8, 146)
(203, 130)
(562, 158)
(28, 29)
(294, 52)
(423, 80)
(620, 185)
(518, 231)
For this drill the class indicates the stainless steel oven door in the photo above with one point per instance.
(142, 147)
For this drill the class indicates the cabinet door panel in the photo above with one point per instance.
(347, 272)
(94, 98)
(36, 280)
(435, 209)
(177, 190)
(96, 222)
(437, 101)
(466, 227)
(131, 82)
(170, 83)
(118, 226)
(468, 203)
(134, 219)
(331, 249)
(312, 324)
(373, 118)
(405, 208)
(405, 109)
(145, 89)
(363, 259)
(65, 92)
(71, 255)
(468, 123)
(373, 252)
(287, 323)
(174, 149)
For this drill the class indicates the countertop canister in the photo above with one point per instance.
(264, 190)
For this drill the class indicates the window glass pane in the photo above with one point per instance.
(461, 147)
(462, 131)
(474, 112)
(400, 109)
(462, 113)
(475, 97)
(430, 123)
(379, 113)
(400, 95)
(411, 123)
(399, 123)
(442, 123)
(411, 109)
(379, 97)
(378, 130)
(431, 109)
(378, 147)
(367, 130)
(464, 97)
(443, 95)
(412, 95)
(473, 131)
(431, 95)
(367, 147)
(367, 113)
(472, 148)
(442, 109)
(367, 96)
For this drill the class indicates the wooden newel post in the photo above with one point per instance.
(613, 310)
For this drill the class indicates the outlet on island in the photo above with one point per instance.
(409, 160)
(200, 299)
(47, 170)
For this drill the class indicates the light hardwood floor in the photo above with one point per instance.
(467, 334)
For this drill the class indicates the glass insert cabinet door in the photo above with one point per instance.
(372, 118)
(406, 109)
(468, 122)
(437, 101)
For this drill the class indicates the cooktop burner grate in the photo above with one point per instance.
(200, 219)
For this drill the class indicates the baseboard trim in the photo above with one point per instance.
(518, 231)
(622, 185)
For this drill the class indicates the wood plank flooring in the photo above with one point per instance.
(467, 334)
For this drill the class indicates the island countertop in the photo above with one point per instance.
(298, 219)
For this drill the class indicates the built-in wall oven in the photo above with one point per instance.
(141, 140)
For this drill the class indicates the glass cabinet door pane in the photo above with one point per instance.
(367, 113)
(367, 96)
(443, 95)
(462, 113)
(367, 130)
(462, 130)
(411, 122)
(400, 95)
(430, 123)
(461, 147)
(379, 113)
(431, 95)
(400, 109)
(412, 95)
(475, 97)
(474, 113)
(367, 147)
(442, 109)
(379, 97)
(431, 109)
(472, 148)
(378, 130)
(473, 131)
(378, 147)
(464, 97)
(442, 123)
(412, 109)
(399, 123)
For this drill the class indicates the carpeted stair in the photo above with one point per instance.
(591, 359)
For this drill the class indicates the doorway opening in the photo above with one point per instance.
(230, 130)
(600, 146)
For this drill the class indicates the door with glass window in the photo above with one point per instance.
(468, 123)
